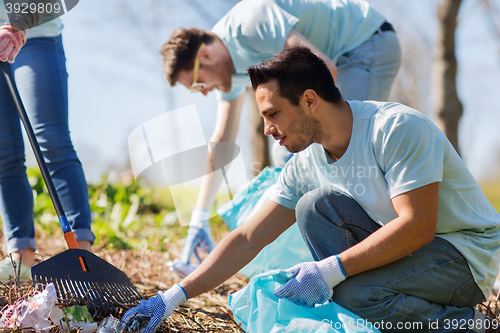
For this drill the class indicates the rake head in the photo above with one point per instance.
(103, 288)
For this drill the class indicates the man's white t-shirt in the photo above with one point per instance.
(395, 149)
(256, 30)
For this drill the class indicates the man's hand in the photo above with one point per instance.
(10, 43)
(313, 281)
(198, 237)
(157, 308)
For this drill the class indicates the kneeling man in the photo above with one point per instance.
(399, 229)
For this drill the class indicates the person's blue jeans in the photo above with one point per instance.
(368, 71)
(433, 285)
(40, 75)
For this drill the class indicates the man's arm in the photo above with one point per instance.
(199, 233)
(239, 248)
(226, 128)
(295, 38)
(235, 251)
(414, 227)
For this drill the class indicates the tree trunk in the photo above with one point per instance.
(448, 106)
(259, 140)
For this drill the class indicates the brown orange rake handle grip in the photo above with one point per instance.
(70, 239)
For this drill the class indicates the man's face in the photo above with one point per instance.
(292, 125)
(215, 72)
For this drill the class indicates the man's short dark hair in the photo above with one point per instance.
(296, 70)
(180, 50)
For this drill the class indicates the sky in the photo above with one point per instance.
(116, 81)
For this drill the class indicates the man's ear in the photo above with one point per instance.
(311, 99)
(205, 55)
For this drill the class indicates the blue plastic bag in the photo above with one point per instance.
(259, 311)
(288, 249)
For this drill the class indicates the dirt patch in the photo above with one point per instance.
(147, 269)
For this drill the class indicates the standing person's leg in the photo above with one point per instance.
(43, 88)
(16, 197)
(368, 71)
(428, 289)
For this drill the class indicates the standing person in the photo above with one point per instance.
(39, 66)
(358, 45)
(400, 230)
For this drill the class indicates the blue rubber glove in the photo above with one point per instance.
(157, 308)
(197, 238)
(313, 282)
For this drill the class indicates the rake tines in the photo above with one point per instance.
(103, 288)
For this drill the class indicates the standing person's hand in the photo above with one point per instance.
(157, 308)
(10, 43)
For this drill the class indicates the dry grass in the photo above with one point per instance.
(148, 271)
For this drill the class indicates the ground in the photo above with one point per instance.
(148, 271)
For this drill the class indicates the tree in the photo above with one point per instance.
(260, 143)
(447, 104)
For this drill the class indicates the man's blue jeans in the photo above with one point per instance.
(40, 74)
(431, 286)
(368, 71)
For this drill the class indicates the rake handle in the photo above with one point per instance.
(69, 236)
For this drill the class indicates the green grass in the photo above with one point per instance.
(125, 215)
(492, 192)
